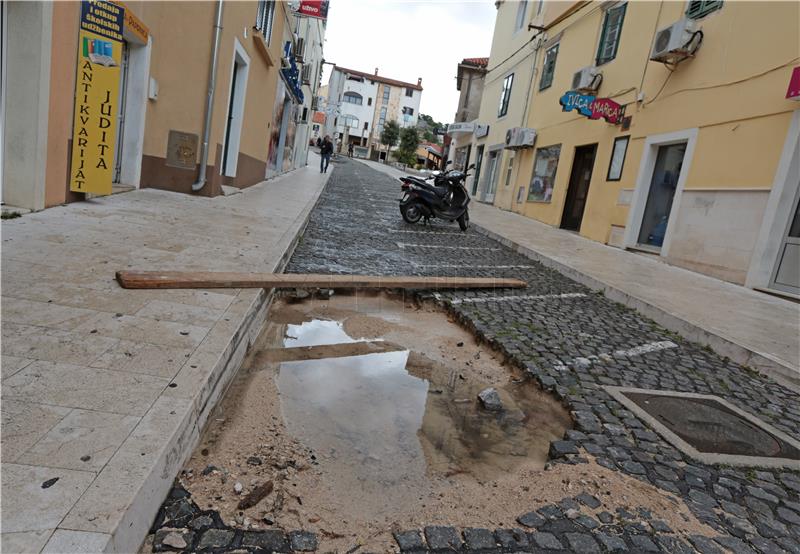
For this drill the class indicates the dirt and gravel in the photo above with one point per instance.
(258, 466)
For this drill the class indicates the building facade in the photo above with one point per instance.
(659, 127)
(359, 104)
(469, 82)
(153, 62)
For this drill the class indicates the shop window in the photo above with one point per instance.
(265, 18)
(701, 8)
(544, 174)
(549, 68)
(617, 158)
(609, 38)
(353, 98)
(505, 95)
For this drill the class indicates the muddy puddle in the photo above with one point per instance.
(360, 414)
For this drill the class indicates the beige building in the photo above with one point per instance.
(661, 127)
(165, 58)
(469, 82)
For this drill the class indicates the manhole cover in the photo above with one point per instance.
(711, 427)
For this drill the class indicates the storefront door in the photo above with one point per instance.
(786, 276)
(578, 189)
(491, 176)
(478, 162)
(666, 172)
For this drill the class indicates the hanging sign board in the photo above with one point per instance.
(314, 8)
(592, 107)
(466, 127)
(96, 97)
(793, 92)
(291, 74)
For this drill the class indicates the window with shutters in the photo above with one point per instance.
(505, 95)
(549, 67)
(265, 17)
(700, 8)
(609, 38)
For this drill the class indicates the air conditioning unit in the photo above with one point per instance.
(675, 43)
(587, 79)
(520, 137)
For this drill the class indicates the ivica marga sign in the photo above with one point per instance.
(96, 97)
(592, 107)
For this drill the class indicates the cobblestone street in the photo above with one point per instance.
(572, 341)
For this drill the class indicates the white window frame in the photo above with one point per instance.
(505, 96)
(265, 19)
(522, 12)
(644, 180)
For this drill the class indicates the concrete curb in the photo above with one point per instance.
(762, 362)
(180, 414)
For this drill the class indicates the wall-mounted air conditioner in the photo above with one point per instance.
(676, 42)
(520, 137)
(587, 79)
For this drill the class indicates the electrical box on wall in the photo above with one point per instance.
(152, 89)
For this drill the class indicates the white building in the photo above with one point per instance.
(310, 33)
(359, 104)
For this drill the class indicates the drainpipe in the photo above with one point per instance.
(212, 79)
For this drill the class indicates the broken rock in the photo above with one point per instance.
(490, 400)
(256, 495)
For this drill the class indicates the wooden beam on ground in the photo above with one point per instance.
(234, 280)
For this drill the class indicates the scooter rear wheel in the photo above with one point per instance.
(411, 212)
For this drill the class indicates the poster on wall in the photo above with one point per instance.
(96, 97)
(275, 135)
(544, 174)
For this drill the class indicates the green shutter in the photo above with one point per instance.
(700, 8)
(612, 30)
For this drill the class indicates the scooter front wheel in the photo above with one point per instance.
(463, 221)
(411, 212)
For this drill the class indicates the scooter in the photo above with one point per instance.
(445, 198)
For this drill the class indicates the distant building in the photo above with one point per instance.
(429, 155)
(469, 81)
(359, 104)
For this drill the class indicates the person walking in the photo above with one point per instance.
(325, 152)
(350, 150)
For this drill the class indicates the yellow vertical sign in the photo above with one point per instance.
(96, 97)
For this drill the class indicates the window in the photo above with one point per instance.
(697, 9)
(609, 38)
(522, 10)
(505, 95)
(409, 92)
(386, 90)
(382, 118)
(265, 17)
(306, 75)
(355, 78)
(510, 168)
(304, 117)
(544, 174)
(408, 111)
(366, 125)
(539, 7)
(369, 101)
(353, 98)
(617, 158)
(549, 68)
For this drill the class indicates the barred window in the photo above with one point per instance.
(265, 17)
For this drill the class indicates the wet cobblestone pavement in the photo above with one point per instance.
(573, 342)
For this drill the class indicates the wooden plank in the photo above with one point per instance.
(234, 280)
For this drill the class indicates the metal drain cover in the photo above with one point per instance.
(710, 429)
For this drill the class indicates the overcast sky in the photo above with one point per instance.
(411, 39)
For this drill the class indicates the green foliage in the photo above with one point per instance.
(427, 126)
(409, 140)
(390, 133)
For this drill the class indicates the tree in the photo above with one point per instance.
(428, 127)
(409, 141)
(390, 134)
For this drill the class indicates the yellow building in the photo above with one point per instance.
(159, 61)
(697, 161)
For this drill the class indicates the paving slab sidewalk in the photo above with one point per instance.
(750, 327)
(105, 391)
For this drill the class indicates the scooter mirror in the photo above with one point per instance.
(471, 166)
(449, 162)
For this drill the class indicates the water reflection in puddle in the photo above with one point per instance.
(388, 421)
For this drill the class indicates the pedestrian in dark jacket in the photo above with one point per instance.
(325, 151)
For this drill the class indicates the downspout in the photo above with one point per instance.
(212, 80)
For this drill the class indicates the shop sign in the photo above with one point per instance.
(314, 8)
(134, 29)
(592, 107)
(793, 92)
(96, 97)
(481, 130)
(291, 74)
(467, 127)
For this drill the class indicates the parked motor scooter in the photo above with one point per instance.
(445, 198)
